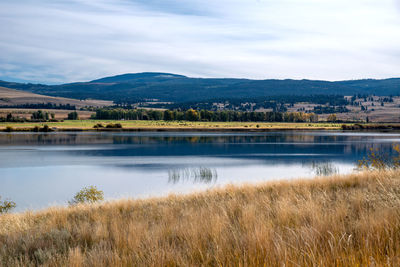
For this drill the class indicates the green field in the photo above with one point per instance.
(88, 125)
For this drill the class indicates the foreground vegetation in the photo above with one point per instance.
(339, 221)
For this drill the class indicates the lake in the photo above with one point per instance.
(40, 170)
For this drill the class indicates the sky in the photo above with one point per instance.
(60, 41)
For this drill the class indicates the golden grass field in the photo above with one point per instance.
(351, 220)
(10, 97)
(149, 125)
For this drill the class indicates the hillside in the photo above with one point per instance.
(12, 97)
(349, 220)
(177, 88)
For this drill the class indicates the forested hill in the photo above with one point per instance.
(178, 88)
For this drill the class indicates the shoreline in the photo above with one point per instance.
(186, 126)
(60, 130)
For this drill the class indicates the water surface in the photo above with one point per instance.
(38, 170)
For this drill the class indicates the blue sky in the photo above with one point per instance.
(57, 41)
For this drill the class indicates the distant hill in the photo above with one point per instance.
(138, 77)
(178, 88)
(12, 97)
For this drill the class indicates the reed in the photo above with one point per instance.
(351, 220)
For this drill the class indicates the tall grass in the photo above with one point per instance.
(337, 221)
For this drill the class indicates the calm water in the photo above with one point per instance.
(38, 170)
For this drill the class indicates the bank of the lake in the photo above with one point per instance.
(171, 126)
(190, 126)
(351, 220)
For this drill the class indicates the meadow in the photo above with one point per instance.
(149, 125)
(351, 220)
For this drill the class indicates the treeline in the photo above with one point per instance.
(42, 106)
(38, 116)
(203, 115)
(330, 110)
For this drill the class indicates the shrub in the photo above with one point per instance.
(9, 129)
(377, 160)
(98, 125)
(6, 206)
(114, 126)
(45, 128)
(87, 195)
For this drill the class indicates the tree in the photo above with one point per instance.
(73, 116)
(6, 206)
(9, 117)
(88, 194)
(40, 115)
(168, 115)
(332, 118)
(192, 115)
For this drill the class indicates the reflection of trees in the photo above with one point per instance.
(288, 142)
(194, 175)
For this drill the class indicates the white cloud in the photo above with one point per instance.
(65, 41)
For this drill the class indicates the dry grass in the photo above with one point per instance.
(339, 221)
(9, 97)
(389, 113)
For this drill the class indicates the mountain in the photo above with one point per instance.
(177, 88)
(138, 77)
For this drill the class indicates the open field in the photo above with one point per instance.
(390, 112)
(10, 97)
(178, 125)
(349, 220)
(27, 113)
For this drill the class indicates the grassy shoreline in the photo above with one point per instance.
(187, 126)
(351, 220)
(88, 125)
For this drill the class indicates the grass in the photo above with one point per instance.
(349, 220)
(11, 97)
(88, 125)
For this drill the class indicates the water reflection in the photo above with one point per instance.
(324, 168)
(38, 169)
(194, 175)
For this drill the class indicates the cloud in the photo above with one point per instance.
(64, 41)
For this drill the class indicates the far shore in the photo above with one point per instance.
(187, 126)
(165, 126)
